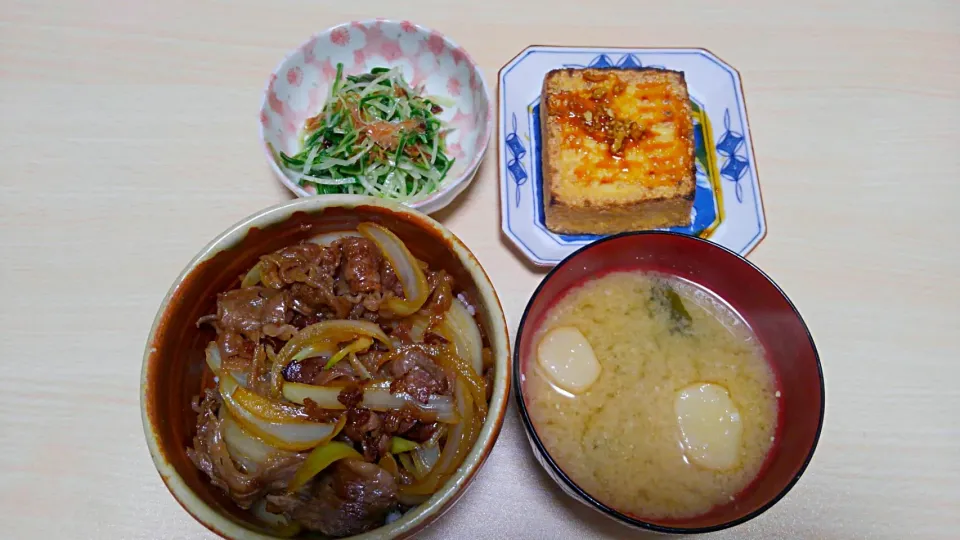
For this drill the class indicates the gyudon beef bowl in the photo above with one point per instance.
(329, 367)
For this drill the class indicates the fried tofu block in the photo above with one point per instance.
(618, 150)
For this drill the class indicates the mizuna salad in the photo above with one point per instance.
(374, 136)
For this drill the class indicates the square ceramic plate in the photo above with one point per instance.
(727, 209)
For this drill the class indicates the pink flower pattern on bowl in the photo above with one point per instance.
(300, 85)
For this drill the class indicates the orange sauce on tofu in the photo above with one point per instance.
(595, 112)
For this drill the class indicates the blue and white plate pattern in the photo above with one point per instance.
(727, 209)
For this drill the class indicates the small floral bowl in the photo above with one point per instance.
(301, 83)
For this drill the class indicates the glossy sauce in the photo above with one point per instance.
(638, 127)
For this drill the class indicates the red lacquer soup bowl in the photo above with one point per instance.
(774, 320)
(174, 368)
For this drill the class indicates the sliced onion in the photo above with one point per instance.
(269, 410)
(215, 362)
(383, 400)
(259, 406)
(426, 457)
(467, 438)
(235, 364)
(319, 459)
(252, 277)
(326, 239)
(294, 436)
(451, 448)
(328, 333)
(319, 338)
(358, 345)
(410, 466)
(419, 326)
(460, 327)
(414, 282)
(279, 524)
(320, 348)
(389, 464)
(377, 399)
(214, 359)
(399, 445)
(359, 367)
(250, 451)
(477, 387)
(240, 377)
(434, 439)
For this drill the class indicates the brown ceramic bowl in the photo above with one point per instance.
(174, 367)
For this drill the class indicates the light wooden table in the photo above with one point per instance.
(128, 140)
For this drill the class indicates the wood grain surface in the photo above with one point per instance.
(128, 139)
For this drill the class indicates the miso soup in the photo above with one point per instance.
(652, 395)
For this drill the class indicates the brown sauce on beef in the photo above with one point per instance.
(300, 285)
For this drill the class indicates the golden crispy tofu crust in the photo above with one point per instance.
(618, 150)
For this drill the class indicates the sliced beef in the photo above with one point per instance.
(371, 302)
(410, 423)
(412, 357)
(357, 311)
(274, 310)
(209, 453)
(401, 331)
(434, 339)
(246, 311)
(343, 373)
(415, 373)
(304, 371)
(399, 422)
(328, 261)
(351, 396)
(350, 498)
(376, 447)
(319, 414)
(308, 298)
(282, 332)
(300, 263)
(441, 286)
(418, 384)
(322, 300)
(360, 423)
(373, 359)
(311, 371)
(364, 426)
(301, 320)
(232, 344)
(361, 265)
(421, 432)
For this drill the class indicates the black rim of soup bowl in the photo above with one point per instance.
(586, 497)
